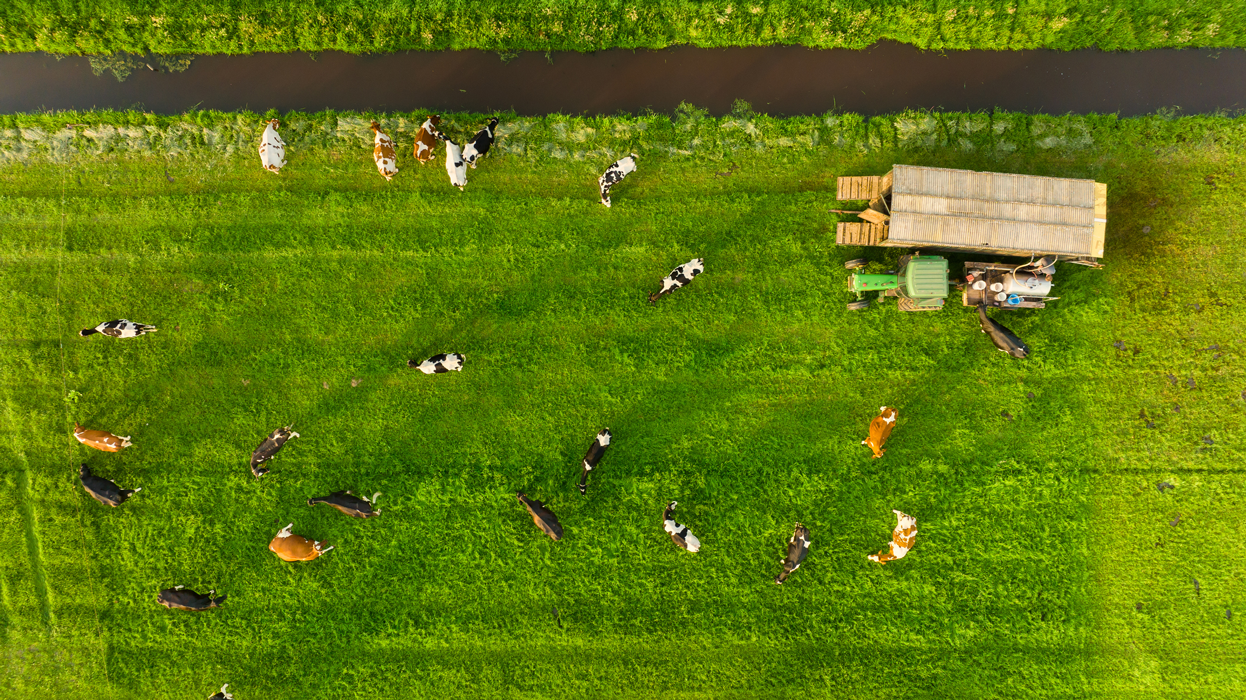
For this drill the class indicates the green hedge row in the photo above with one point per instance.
(690, 133)
(363, 26)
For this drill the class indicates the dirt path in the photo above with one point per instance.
(777, 80)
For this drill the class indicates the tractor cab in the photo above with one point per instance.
(920, 283)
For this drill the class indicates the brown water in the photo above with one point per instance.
(776, 80)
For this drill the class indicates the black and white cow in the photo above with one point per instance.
(178, 599)
(437, 364)
(593, 456)
(614, 175)
(478, 146)
(797, 550)
(455, 167)
(102, 489)
(269, 448)
(679, 277)
(679, 533)
(222, 695)
(354, 506)
(120, 328)
(542, 516)
(1003, 338)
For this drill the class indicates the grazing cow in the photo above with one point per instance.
(222, 695)
(292, 547)
(614, 175)
(270, 447)
(455, 167)
(101, 439)
(478, 146)
(354, 506)
(544, 519)
(102, 489)
(120, 328)
(679, 533)
(272, 148)
(383, 153)
(797, 550)
(880, 430)
(176, 598)
(1003, 338)
(593, 456)
(901, 539)
(440, 363)
(679, 277)
(426, 140)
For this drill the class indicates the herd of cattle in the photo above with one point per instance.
(292, 547)
(458, 158)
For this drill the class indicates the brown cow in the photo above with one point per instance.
(426, 140)
(901, 539)
(292, 547)
(383, 153)
(880, 430)
(542, 516)
(100, 439)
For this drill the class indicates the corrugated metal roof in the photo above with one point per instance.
(968, 209)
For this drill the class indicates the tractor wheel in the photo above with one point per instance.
(856, 263)
(859, 305)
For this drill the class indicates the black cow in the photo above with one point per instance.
(478, 146)
(178, 599)
(544, 519)
(614, 175)
(679, 533)
(593, 456)
(102, 489)
(797, 550)
(1003, 338)
(354, 506)
(269, 448)
(440, 363)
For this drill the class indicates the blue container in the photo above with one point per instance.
(1013, 300)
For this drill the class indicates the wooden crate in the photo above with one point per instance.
(852, 233)
(852, 188)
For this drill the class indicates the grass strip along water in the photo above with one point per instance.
(1048, 564)
(248, 26)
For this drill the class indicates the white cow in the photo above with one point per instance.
(456, 168)
(272, 148)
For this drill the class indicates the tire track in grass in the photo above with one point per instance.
(34, 549)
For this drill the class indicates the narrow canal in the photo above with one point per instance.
(777, 80)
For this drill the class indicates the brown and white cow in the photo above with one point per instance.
(426, 140)
(901, 539)
(100, 439)
(383, 153)
(272, 149)
(880, 430)
(292, 547)
(679, 533)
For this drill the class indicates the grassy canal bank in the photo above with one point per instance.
(1047, 564)
(372, 26)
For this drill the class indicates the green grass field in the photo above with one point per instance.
(1045, 566)
(372, 26)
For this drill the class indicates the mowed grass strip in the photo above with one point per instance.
(370, 26)
(743, 396)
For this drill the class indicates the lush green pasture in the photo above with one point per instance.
(246, 26)
(743, 396)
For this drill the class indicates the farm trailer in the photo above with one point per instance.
(1045, 219)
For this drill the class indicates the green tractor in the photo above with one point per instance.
(920, 283)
